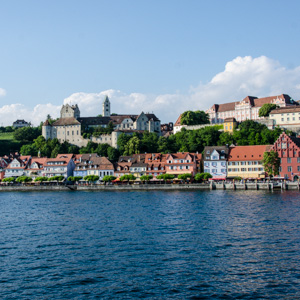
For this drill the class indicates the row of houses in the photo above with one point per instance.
(222, 162)
(63, 165)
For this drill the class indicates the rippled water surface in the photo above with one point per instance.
(155, 245)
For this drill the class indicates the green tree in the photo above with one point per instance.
(24, 179)
(102, 149)
(56, 178)
(91, 178)
(113, 153)
(132, 146)
(194, 118)
(29, 149)
(27, 133)
(149, 142)
(127, 177)
(165, 177)
(202, 176)
(146, 178)
(109, 178)
(184, 176)
(271, 163)
(264, 111)
(74, 178)
(122, 142)
(41, 178)
(8, 179)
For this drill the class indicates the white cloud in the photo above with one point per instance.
(2, 92)
(241, 77)
(10, 113)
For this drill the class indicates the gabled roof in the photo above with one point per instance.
(47, 123)
(283, 110)
(253, 101)
(248, 153)
(94, 120)
(66, 121)
(177, 123)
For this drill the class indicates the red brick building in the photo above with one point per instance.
(288, 149)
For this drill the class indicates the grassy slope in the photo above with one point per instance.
(8, 144)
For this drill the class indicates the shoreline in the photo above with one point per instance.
(151, 187)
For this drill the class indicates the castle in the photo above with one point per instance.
(70, 125)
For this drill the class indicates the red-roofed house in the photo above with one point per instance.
(246, 161)
(63, 165)
(156, 164)
(182, 162)
(17, 166)
(36, 167)
(288, 149)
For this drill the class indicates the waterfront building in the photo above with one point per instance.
(81, 163)
(134, 164)
(214, 161)
(20, 124)
(100, 166)
(36, 167)
(182, 162)
(247, 109)
(156, 164)
(4, 161)
(288, 149)
(246, 161)
(286, 117)
(17, 166)
(62, 165)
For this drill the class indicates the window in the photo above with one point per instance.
(289, 169)
(298, 168)
(298, 159)
(289, 160)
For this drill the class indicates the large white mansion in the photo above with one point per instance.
(247, 109)
(68, 126)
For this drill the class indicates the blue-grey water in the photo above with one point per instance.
(155, 245)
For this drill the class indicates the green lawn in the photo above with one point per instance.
(6, 136)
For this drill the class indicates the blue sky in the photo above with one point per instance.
(177, 55)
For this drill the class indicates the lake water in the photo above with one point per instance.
(154, 245)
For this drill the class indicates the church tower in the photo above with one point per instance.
(106, 107)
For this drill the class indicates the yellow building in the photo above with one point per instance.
(229, 124)
(246, 161)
